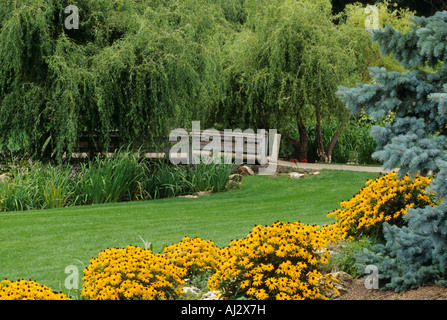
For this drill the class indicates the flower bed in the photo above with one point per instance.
(280, 261)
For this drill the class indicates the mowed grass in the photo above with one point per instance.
(40, 244)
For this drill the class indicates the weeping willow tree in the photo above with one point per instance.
(286, 63)
(136, 66)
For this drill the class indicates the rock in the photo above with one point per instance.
(235, 177)
(3, 177)
(296, 175)
(344, 282)
(196, 194)
(234, 181)
(245, 171)
(192, 290)
(202, 193)
(211, 295)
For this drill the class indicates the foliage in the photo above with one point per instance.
(164, 180)
(35, 185)
(144, 67)
(139, 67)
(385, 199)
(28, 290)
(54, 186)
(275, 63)
(109, 179)
(132, 273)
(221, 218)
(354, 145)
(416, 254)
(286, 61)
(123, 176)
(216, 174)
(345, 259)
(277, 262)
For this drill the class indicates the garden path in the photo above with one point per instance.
(330, 166)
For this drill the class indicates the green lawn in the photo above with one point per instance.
(38, 245)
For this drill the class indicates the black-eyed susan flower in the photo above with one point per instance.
(385, 199)
(195, 255)
(132, 273)
(276, 262)
(28, 290)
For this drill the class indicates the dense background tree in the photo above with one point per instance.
(421, 7)
(282, 66)
(285, 63)
(139, 67)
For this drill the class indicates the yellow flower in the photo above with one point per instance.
(386, 198)
(131, 273)
(196, 255)
(272, 262)
(28, 290)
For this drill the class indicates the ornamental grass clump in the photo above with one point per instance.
(276, 262)
(132, 273)
(28, 290)
(385, 199)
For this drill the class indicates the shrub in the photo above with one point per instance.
(122, 177)
(345, 259)
(132, 273)
(28, 290)
(279, 261)
(385, 199)
(196, 255)
(209, 176)
(219, 176)
(35, 186)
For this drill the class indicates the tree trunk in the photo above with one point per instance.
(301, 145)
(334, 139)
(325, 154)
(320, 145)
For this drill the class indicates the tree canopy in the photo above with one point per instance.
(143, 67)
(287, 60)
(134, 66)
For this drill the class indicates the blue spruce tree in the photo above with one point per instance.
(416, 254)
